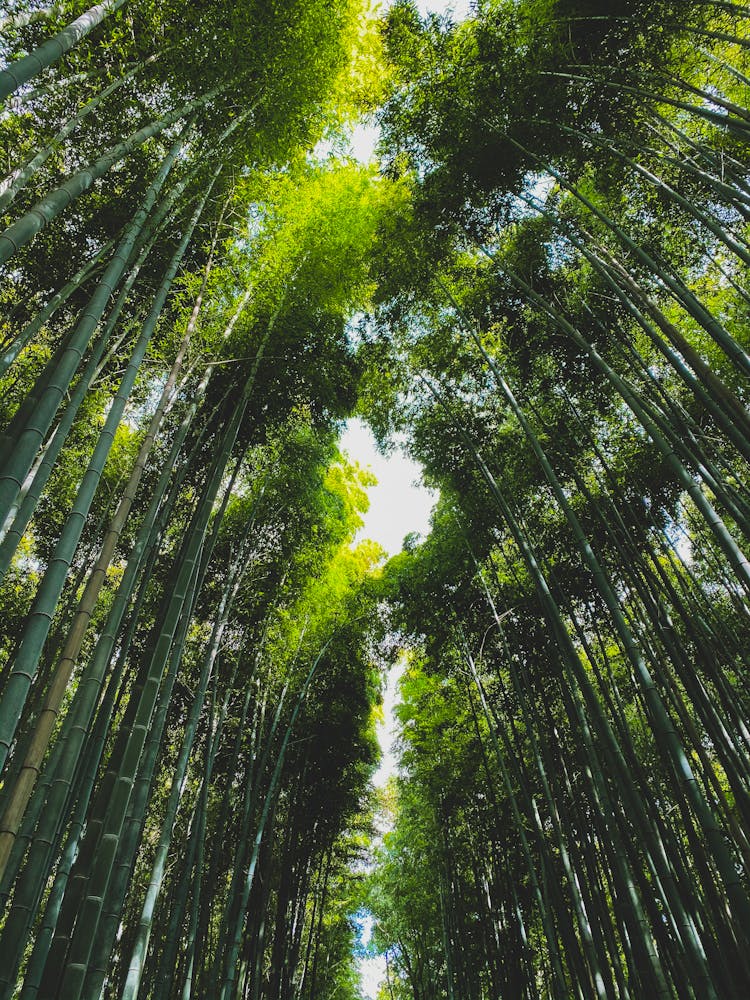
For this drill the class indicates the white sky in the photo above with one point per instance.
(372, 970)
(386, 729)
(364, 137)
(459, 8)
(399, 503)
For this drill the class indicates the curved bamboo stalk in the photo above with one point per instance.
(73, 976)
(25, 69)
(58, 299)
(15, 182)
(25, 447)
(26, 228)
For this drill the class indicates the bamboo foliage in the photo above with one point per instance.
(541, 292)
(565, 356)
(170, 487)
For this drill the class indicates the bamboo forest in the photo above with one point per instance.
(534, 289)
